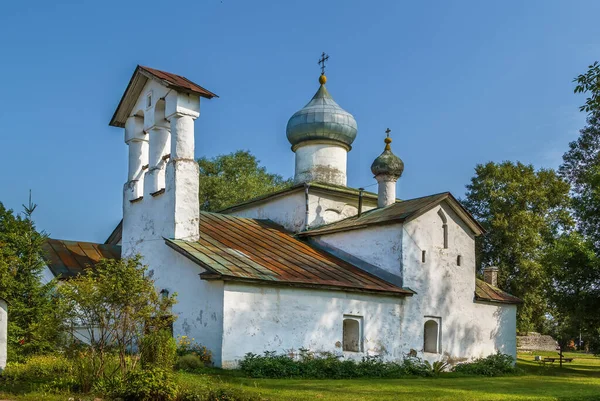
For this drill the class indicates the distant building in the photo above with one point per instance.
(318, 265)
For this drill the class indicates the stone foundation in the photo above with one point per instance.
(536, 342)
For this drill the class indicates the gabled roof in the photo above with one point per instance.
(488, 293)
(332, 188)
(140, 76)
(398, 212)
(69, 258)
(241, 249)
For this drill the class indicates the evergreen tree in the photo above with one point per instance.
(33, 324)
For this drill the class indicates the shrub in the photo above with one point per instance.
(189, 363)
(439, 367)
(493, 365)
(188, 346)
(153, 384)
(38, 368)
(329, 366)
(158, 349)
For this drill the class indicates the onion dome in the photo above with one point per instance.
(322, 119)
(387, 163)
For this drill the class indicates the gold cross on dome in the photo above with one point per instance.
(322, 60)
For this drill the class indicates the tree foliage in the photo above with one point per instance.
(116, 303)
(229, 179)
(574, 293)
(581, 168)
(589, 83)
(524, 211)
(33, 324)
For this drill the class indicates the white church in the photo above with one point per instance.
(318, 265)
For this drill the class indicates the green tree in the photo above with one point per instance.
(226, 180)
(581, 168)
(117, 304)
(524, 211)
(589, 83)
(33, 325)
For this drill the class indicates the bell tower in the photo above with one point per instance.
(160, 196)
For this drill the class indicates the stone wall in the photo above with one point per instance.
(536, 342)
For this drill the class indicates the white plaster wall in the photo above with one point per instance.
(325, 208)
(288, 210)
(259, 318)
(446, 290)
(322, 162)
(3, 333)
(378, 245)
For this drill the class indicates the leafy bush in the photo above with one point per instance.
(153, 384)
(493, 365)
(439, 367)
(189, 363)
(188, 346)
(158, 349)
(37, 368)
(329, 366)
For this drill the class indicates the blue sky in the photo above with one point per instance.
(459, 83)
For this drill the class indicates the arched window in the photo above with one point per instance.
(352, 337)
(444, 227)
(431, 331)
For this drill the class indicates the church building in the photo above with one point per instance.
(318, 265)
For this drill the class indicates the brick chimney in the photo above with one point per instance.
(490, 275)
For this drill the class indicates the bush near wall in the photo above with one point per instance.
(329, 366)
(493, 365)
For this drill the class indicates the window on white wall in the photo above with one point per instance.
(444, 227)
(352, 337)
(432, 335)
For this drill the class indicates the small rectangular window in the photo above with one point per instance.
(458, 260)
(149, 100)
(352, 333)
(422, 256)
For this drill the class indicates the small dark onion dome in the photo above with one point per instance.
(322, 118)
(387, 163)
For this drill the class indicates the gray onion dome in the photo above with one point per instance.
(322, 118)
(387, 163)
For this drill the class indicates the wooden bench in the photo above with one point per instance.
(552, 360)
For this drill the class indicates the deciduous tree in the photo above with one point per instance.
(524, 210)
(229, 179)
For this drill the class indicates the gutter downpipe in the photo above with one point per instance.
(360, 200)
(306, 186)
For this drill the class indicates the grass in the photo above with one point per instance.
(576, 381)
(579, 380)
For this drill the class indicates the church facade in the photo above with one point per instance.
(318, 265)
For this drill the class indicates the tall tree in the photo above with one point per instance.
(524, 211)
(574, 293)
(33, 325)
(581, 168)
(229, 179)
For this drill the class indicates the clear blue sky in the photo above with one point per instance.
(459, 83)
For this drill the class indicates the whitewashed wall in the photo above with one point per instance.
(290, 210)
(259, 318)
(446, 290)
(443, 289)
(3, 332)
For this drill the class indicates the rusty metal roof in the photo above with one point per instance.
(136, 84)
(397, 212)
(242, 249)
(69, 258)
(488, 293)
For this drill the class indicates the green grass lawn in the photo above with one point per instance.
(579, 380)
